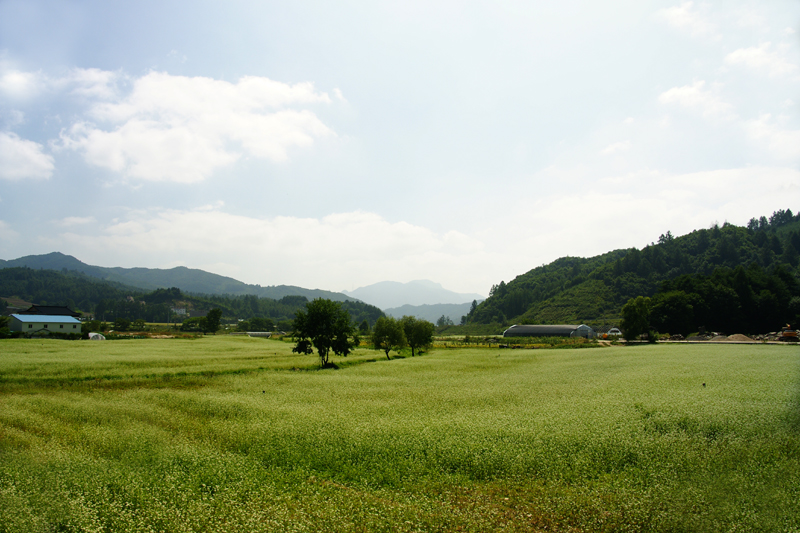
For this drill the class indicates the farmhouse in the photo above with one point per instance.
(555, 330)
(50, 323)
(52, 310)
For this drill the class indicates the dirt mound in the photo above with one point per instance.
(719, 338)
(738, 337)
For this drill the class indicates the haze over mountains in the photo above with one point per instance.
(190, 280)
(432, 312)
(391, 294)
(423, 298)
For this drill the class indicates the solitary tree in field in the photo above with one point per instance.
(326, 326)
(388, 335)
(419, 333)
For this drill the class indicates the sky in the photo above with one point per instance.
(333, 145)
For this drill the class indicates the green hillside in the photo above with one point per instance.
(109, 300)
(593, 290)
(190, 280)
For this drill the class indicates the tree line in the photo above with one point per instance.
(748, 300)
(327, 326)
(110, 301)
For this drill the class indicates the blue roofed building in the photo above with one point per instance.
(29, 324)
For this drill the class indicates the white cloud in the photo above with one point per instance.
(20, 85)
(92, 82)
(695, 96)
(76, 221)
(147, 150)
(762, 57)
(621, 146)
(635, 208)
(686, 18)
(174, 128)
(88, 83)
(23, 159)
(781, 142)
(328, 252)
(6, 233)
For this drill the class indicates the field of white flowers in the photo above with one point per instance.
(238, 434)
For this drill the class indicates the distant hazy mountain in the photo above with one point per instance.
(390, 294)
(432, 313)
(186, 279)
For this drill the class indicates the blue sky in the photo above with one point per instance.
(335, 145)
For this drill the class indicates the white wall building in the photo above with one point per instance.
(51, 323)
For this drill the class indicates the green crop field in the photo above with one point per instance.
(238, 434)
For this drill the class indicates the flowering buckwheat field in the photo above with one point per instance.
(237, 434)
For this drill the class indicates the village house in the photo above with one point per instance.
(30, 324)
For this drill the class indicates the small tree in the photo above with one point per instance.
(326, 326)
(636, 317)
(443, 321)
(419, 333)
(211, 322)
(93, 325)
(388, 335)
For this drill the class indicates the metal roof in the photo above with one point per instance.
(52, 310)
(45, 319)
(554, 330)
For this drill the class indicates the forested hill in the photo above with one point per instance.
(574, 290)
(109, 301)
(187, 279)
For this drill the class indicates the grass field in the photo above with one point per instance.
(238, 434)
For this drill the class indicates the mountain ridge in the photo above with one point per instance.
(190, 280)
(573, 290)
(392, 294)
(432, 312)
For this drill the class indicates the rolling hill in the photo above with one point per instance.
(431, 313)
(190, 280)
(574, 290)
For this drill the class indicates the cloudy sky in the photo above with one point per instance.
(337, 144)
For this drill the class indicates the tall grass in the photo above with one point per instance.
(226, 434)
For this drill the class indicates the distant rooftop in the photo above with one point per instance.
(44, 319)
(52, 310)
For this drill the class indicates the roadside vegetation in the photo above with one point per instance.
(232, 433)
